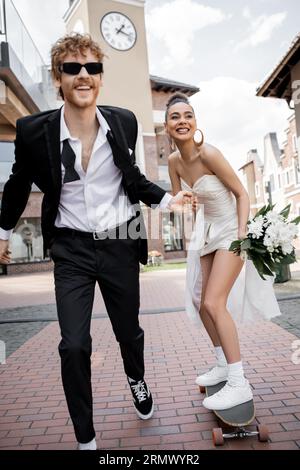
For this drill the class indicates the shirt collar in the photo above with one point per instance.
(65, 133)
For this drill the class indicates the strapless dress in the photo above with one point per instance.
(215, 227)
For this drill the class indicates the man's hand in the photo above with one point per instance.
(4, 252)
(181, 199)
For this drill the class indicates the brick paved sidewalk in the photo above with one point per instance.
(33, 413)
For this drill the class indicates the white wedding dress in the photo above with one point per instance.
(215, 227)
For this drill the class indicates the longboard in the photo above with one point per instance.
(237, 417)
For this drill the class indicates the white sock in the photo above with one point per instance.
(236, 374)
(89, 445)
(221, 359)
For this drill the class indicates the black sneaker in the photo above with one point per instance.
(142, 398)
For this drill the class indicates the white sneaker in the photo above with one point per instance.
(213, 377)
(228, 397)
(88, 446)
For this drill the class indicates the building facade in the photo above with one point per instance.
(276, 178)
(25, 88)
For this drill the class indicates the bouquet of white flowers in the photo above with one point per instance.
(269, 240)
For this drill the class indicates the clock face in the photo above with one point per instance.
(118, 31)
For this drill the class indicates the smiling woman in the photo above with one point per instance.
(221, 210)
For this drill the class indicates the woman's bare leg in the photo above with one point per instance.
(206, 265)
(225, 269)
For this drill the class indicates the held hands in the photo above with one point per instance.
(4, 252)
(180, 201)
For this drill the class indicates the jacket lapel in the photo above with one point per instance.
(118, 136)
(119, 146)
(52, 135)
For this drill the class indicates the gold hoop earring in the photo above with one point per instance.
(198, 142)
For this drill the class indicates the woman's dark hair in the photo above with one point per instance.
(176, 98)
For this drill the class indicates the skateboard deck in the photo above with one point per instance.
(240, 415)
(236, 417)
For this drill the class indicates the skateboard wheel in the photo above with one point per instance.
(217, 437)
(263, 433)
(202, 389)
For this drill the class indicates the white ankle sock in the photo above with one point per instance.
(221, 359)
(236, 374)
(89, 445)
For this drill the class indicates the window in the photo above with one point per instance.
(7, 157)
(286, 179)
(26, 241)
(172, 231)
(297, 172)
(272, 182)
(279, 181)
(291, 176)
(257, 190)
(163, 173)
(294, 140)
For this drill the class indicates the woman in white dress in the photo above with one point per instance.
(213, 272)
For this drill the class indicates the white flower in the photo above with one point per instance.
(273, 216)
(293, 230)
(280, 233)
(255, 228)
(287, 248)
(268, 241)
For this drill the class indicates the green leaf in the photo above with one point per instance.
(296, 220)
(259, 249)
(264, 264)
(289, 259)
(267, 270)
(285, 212)
(261, 211)
(270, 264)
(259, 266)
(235, 246)
(246, 244)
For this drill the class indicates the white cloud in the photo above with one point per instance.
(246, 13)
(175, 24)
(261, 28)
(234, 119)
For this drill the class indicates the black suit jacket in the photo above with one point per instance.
(38, 160)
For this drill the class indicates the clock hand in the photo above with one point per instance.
(120, 30)
(126, 34)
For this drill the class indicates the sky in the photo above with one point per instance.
(226, 48)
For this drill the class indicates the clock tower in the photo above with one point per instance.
(119, 27)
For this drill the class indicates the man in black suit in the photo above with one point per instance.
(82, 158)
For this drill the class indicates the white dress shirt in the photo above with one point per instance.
(97, 201)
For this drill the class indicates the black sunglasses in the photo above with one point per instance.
(73, 68)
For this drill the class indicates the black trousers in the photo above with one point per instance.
(79, 263)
